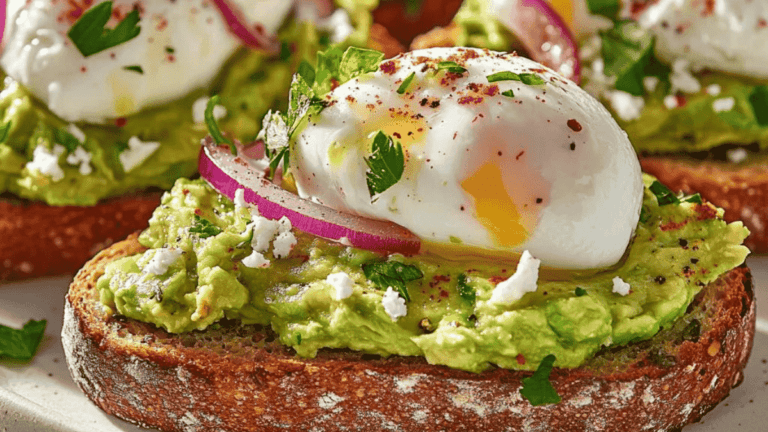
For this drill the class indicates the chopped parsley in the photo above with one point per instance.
(537, 389)
(606, 8)
(451, 66)
(4, 132)
(759, 101)
(90, 35)
(392, 274)
(387, 163)
(466, 292)
(213, 126)
(665, 196)
(21, 344)
(204, 228)
(525, 78)
(627, 51)
(508, 93)
(580, 292)
(169, 50)
(358, 61)
(406, 83)
(645, 214)
(134, 68)
(66, 139)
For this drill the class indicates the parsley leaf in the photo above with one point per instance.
(406, 83)
(90, 36)
(307, 72)
(21, 344)
(386, 164)
(665, 196)
(525, 78)
(606, 8)
(357, 61)
(213, 126)
(537, 389)
(645, 214)
(508, 93)
(466, 292)
(66, 139)
(759, 101)
(134, 68)
(580, 292)
(392, 274)
(204, 228)
(627, 50)
(451, 66)
(4, 132)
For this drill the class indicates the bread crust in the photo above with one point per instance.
(236, 379)
(43, 240)
(741, 190)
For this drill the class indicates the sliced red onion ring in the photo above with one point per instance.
(227, 173)
(543, 34)
(252, 36)
(3, 6)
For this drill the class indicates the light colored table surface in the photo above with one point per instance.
(40, 395)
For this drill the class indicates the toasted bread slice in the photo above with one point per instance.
(239, 378)
(741, 190)
(42, 240)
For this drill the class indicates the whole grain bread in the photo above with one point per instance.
(741, 190)
(239, 378)
(42, 240)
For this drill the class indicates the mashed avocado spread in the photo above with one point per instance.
(194, 274)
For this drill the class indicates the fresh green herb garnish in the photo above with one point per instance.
(392, 274)
(580, 292)
(406, 83)
(525, 78)
(90, 35)
(63, 137)
(134, 68)
(4, 132)
(358, 61)
(645, 214)
(204, 228)
(665, 196)
(307, 72)
(213, 126)
(466, 292)
(298, 339)
(451, 66)
(285, 51)
(21, 344)
(606, 8)
(627, 51)
(386, 164)
(537, 389)
(508, 93)
(169, 50)
(759, 101)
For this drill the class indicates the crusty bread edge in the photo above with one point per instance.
(189, 390)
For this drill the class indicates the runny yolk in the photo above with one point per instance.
(494, 208)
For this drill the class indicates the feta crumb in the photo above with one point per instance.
(393, 304)
(724, 104)
(342, 283)
(198, 110)
(523, 281)
(650, 83)
(714, 89)
(162, 259)
(682, 79)
(136, 153)
(345, 241)
(736, 155)
(627, 106)
(76, 132)
(240, 199)
(46, 162)
(256, 260)
(284, 225)
(283, 244)
(264, 230)
(670, 101)
(620, 287)
(81, 157)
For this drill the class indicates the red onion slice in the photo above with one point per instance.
(227, 173)
(543, 34)
(252, 36)
(3, 6)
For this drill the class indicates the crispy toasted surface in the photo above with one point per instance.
(42, 240)
(238, 378)
(742, 190)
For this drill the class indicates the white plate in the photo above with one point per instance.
(40, 395)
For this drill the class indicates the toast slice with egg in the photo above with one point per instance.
(239, 378)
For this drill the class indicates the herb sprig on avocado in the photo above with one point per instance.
(90, 35)
(21, 344)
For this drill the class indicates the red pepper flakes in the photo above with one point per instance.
(120, 121)
(443, 293)
(438, 279)
(519, 155)
(491, 90)
(762, 23)
(520, 359)
(496, 279)
(672, 225)
(466, 100)
(185, 191)
(198, 212)
(334, 83)
(388, 67)
(574, 125)
(681, 100)
(705, 211)
(709, 8)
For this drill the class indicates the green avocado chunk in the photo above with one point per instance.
(210, 275)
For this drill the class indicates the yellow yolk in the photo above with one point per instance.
(564, 8)
(494, 208)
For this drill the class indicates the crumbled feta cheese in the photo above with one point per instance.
(620, 287)
(724, 104)
(670, 101)
(682, 79)
(650, 83)
(76, 132)
(627, 106)
(240, 199)
(136, 153)
(46, 162)
(162, 259)
(81, 157)
(264, 230)
(342, 283)
(283, 244)
(736, 155)
(393, 304)
(285, 225)
(198, 110)
(714, 89)
(523, 281)
(256, 260)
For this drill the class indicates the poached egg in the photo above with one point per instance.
(500, 165)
